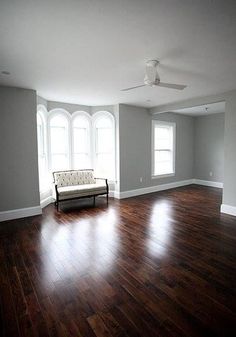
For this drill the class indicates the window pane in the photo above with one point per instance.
(44, 181)
(104, 141)
(42, 165)
(163, 144)
(163, 132)
(59, 120)
(105, 159)
(163, 168)
(163, 155)
(104, 122)
(105, 165)
(81, 161)
(163, 138)
(59, 162)
(58, 140)
(163, 162)
(80, 140)
(81, 122)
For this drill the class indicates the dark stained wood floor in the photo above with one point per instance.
(161, 264)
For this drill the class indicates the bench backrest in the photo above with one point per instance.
(75, 177)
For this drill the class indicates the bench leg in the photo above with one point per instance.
(94, 201)
(107, 198)
(57, 206)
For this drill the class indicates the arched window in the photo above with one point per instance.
(42, 165)
(59, 141)
(81, 149)
(104, 137)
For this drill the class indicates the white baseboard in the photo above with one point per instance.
(114, 194)
(30, 211)
(208, 183)
(228, 209)
(151, 189)
(46, 201)
(20, 213)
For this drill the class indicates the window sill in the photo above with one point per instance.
(163, 176)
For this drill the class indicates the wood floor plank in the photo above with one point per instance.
(161, 264)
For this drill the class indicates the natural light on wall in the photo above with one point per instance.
(163, 162)
(77, 141)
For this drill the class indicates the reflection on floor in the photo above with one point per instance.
(161, 264)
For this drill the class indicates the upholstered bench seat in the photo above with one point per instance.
(77, 191)
(78, 184)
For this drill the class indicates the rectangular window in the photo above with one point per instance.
(163, 148)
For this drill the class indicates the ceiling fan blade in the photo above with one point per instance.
(137, 86)
(172, 86)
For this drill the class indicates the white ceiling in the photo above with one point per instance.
(203, 110)
(86, 51)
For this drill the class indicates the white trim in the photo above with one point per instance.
(164, 176)
(20, 213)
(46, 201)
(151, 189)
(173, 125)
(114, 194)
(208, 183)
(227, 209)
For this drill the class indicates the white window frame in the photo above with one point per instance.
(71, 131)
(48, 115)
(173, 125)
(64, 113)
(95, 119)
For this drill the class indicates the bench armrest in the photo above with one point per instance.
(103, 179)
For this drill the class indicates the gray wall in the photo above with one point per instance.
(229, 181)
(42, 101)
(18, 151)
(229, 192)
(76, 107)
(209, 147)
(135, 125)
(67, 106)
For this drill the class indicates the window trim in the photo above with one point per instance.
(47, 115)
(165, 175)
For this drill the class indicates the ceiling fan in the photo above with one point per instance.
(152, 78)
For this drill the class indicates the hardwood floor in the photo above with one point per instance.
(162, 264)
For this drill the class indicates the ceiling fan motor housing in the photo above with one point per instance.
(151, 78)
